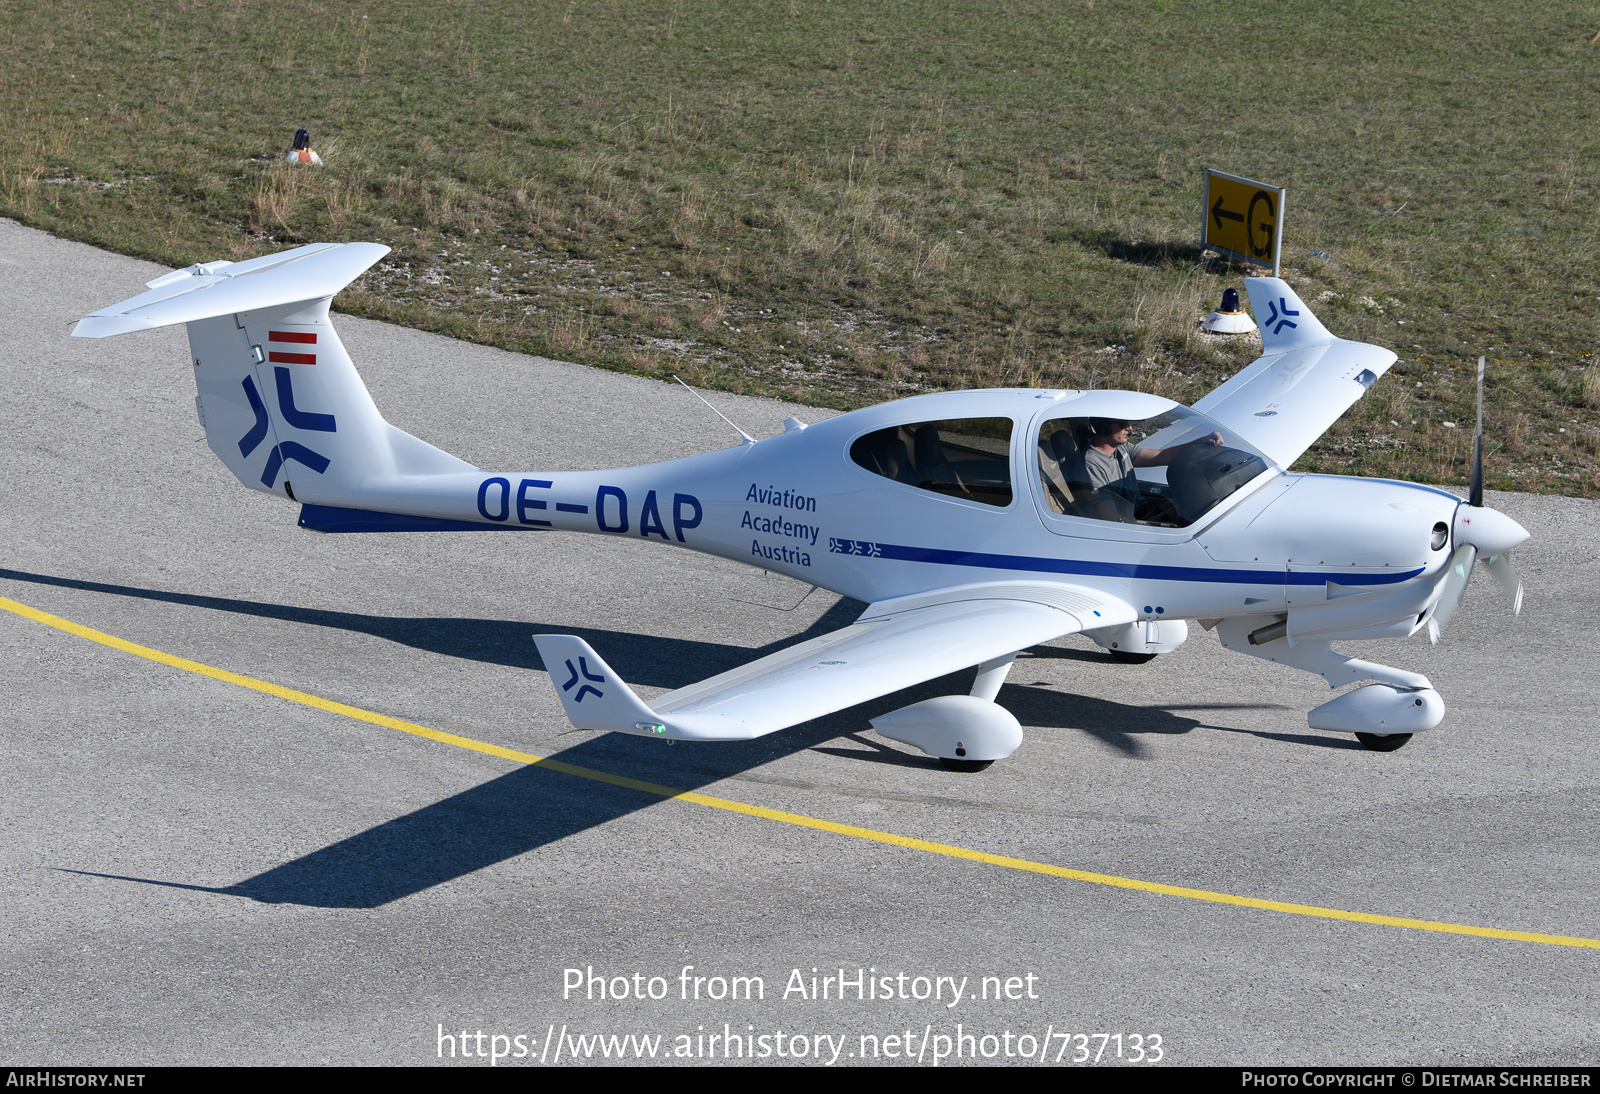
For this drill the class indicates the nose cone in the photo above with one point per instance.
(1489, 530)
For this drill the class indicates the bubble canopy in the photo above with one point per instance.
(1132, 458)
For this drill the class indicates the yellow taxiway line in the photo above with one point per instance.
(780, 816)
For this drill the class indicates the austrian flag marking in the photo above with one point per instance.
(283, 357)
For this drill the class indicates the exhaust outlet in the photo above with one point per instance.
(1270, 633)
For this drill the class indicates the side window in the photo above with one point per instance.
(967, 458)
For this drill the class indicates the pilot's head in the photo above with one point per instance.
(1115, 429)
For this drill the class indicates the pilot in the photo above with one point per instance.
(1109, 459)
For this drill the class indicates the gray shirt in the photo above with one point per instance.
(1114, 471)
(1114, 474)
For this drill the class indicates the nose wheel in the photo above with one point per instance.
(1384, 742)
(1128, 658)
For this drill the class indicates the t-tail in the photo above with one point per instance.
(280, 400)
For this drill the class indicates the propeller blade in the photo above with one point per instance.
(1455, 584)
(1506, 574)
(1475, 491)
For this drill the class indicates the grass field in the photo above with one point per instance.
(842, 203)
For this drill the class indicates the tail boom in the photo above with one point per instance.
(284, 408)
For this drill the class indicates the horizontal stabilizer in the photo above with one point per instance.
(210, 289)
(1306, 378)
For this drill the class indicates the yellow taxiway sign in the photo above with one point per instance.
(1242, 218)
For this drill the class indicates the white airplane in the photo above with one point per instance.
(975, 524)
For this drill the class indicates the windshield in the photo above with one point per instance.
(1166, 471)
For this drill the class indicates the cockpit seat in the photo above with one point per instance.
(1058, 455)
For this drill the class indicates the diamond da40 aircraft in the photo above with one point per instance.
(974, 524)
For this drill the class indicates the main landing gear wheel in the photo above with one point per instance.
(1132, 658)
(964, 765)
(1380, 742)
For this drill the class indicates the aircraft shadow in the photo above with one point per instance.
(647, 661)
(1120, 724)
(525, 809)
(1301, 739)
(1063, 653)
(877, 752)
(533, 807)
(1116, 724)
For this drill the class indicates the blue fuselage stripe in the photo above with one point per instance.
(903, 553)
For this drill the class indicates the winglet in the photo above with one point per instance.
(594, 697)
(1285, 321)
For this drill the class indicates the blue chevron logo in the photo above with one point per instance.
(258, 432)
(1274, 316)
(583, 663)
(299, 419)
(289, 450)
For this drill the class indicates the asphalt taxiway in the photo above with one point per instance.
(196, 871)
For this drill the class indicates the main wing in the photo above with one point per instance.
(895, 644)
(1300, 385)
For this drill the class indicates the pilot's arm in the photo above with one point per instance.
(1160, 457)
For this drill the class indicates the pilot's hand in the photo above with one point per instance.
(1213, 440)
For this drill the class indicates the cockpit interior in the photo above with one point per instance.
(1165, 470)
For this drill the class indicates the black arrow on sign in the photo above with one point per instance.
(1218, 213)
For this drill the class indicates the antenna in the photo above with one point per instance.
(775, 607)
(747, 438)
